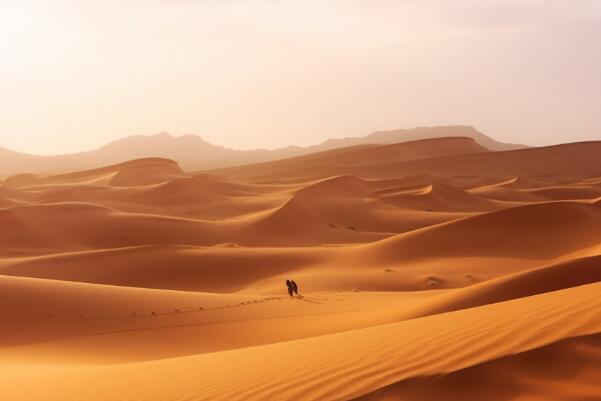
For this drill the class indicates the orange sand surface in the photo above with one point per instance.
(429, 270)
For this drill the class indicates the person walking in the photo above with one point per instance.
(294, 287)
(290, 287)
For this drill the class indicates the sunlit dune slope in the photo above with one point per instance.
(333, 367)
(116, 318)
(567, 370)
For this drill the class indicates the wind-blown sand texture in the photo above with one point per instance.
(430, 270)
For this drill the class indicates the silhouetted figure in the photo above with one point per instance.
(290, 287)
(294, 287)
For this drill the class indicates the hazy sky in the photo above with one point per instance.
(75, 74)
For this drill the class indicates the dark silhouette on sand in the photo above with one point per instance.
(292, 288)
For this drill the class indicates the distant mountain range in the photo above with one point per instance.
(195, 154)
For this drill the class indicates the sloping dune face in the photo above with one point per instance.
(346, 160)
(428, 270)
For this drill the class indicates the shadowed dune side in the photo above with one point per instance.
(37, 298)
(216, 269)
(65, 227)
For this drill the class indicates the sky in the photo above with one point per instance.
(76, 74)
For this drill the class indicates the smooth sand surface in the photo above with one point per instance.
(429, 270)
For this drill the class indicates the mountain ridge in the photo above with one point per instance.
(192, 152)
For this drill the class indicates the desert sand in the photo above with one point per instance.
(436, 269)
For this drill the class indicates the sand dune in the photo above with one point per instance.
(437, 197)
(205, 185)
(356, 156)
(545, 163)
(328, 209)
(303, 167)
(572, 192)
(382, 356)
(525, 376)
(544, 230)
(66, 226)
(430, 270)
(555, 277)
(132, 173)
(463, 249)
(214, 269)
(559, 162)
(202, 197)
(7, 202)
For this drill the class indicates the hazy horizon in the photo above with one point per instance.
(269, 74)
(175, 135)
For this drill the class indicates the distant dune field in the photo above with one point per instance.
(434, 269)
